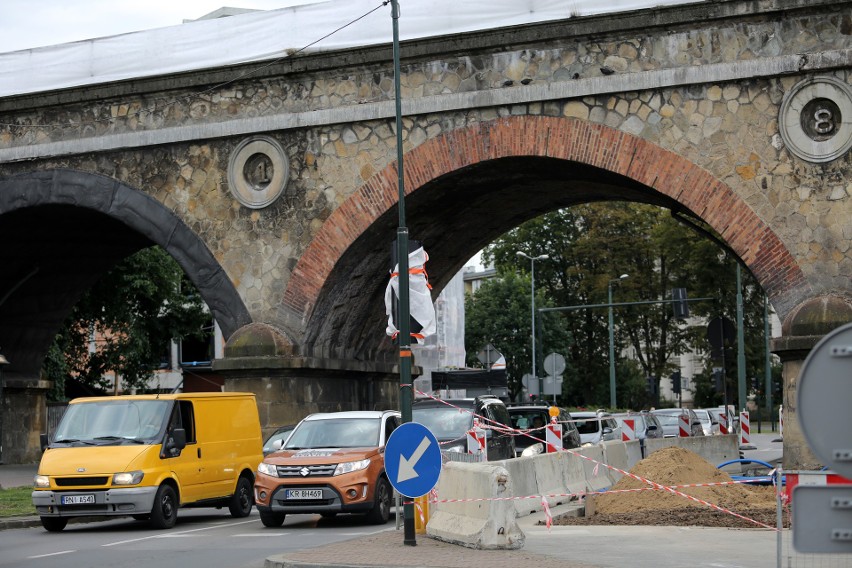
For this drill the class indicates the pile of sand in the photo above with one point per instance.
(677, 466)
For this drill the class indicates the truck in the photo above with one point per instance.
(146, 456)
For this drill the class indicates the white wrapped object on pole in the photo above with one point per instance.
(421, 307)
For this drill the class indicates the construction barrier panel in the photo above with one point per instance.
(684, 428)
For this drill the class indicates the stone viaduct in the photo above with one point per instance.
(275, 185)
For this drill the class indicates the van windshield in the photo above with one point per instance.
(113, 422)
(335, 433)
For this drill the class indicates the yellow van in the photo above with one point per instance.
(145, 456)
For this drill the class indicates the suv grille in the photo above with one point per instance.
(306, 470)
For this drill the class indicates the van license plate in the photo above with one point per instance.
(78, 499)
(303, 494)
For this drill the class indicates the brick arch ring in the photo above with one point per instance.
(563, 138)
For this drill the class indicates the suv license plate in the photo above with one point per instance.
(303, 494)
(78, 499)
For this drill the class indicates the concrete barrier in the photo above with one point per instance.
(597, 477)
(634, 453)
(488, 524)
(525, 481)
(615, 454)
(573, 472)
(714, 449)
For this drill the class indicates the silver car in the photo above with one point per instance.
(596, 427)
(669, 418)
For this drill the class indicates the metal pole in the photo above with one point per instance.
(611, 350)
(405, 386)
(532, 304)
(767, 362)
(741, 370)
(3, 363)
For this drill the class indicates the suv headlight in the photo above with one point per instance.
(268, 469)
(457, 448)
(41, 481)
(349, 467)
(127, 478)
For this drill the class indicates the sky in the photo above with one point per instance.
(36, 23)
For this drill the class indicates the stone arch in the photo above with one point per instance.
(645, 171)
(117, 220)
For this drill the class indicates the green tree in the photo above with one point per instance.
(137, 308)
(589, 246)
(500, 313)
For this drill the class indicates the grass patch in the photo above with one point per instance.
(16, 501)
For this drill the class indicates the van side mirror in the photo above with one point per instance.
(176, 439)
(607, 430)
(651, 427)
(42, 438)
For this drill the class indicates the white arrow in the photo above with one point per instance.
(406, 466)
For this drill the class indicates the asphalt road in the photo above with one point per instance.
(201, 539)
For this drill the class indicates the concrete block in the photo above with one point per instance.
(573, 472)
(522, 472)
(484, 520)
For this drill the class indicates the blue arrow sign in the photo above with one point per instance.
(413, 459)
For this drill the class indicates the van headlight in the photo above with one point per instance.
(41, 481)
(268, 469)
(127, 478)
(533, 450)
(457, 448)
(349, 467)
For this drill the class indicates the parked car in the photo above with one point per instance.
(277, 439)
(596, 426)
(535, 418)
(645, 424)
(733, 421)
(450, 420)
(669, 418)
(709, 423)
(331, 463)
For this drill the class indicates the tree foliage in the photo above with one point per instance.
(129, 316)
(589, 247)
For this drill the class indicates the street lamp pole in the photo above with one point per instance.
(612, 342)
(3, 363)
(532, 260)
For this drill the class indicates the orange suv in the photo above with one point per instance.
(331, 463)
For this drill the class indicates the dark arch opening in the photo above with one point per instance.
(454, 216)
(61, 231)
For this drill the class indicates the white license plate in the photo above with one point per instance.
(78, 499)
(303, 494)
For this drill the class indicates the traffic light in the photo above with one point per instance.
(675, 377)
(719, 380)
(680, 304)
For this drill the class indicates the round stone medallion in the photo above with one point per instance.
(258, 171)
(816, 119)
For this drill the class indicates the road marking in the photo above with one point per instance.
(267, 533)
(179, 533)
(51, 554)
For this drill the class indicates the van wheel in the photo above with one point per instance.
(380, 512)
(242, 499)
(164, 513)
(53, 524)
(272, 519)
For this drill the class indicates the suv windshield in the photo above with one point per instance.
(335, 433)
(444, 422)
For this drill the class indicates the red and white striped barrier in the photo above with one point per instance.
(723, 423)
(628, 429)
(476, 442)
(553, 437)
(794, 478)
(684, 428)
(745, 430)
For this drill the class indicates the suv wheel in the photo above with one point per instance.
(380, 513)
(272, 519)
